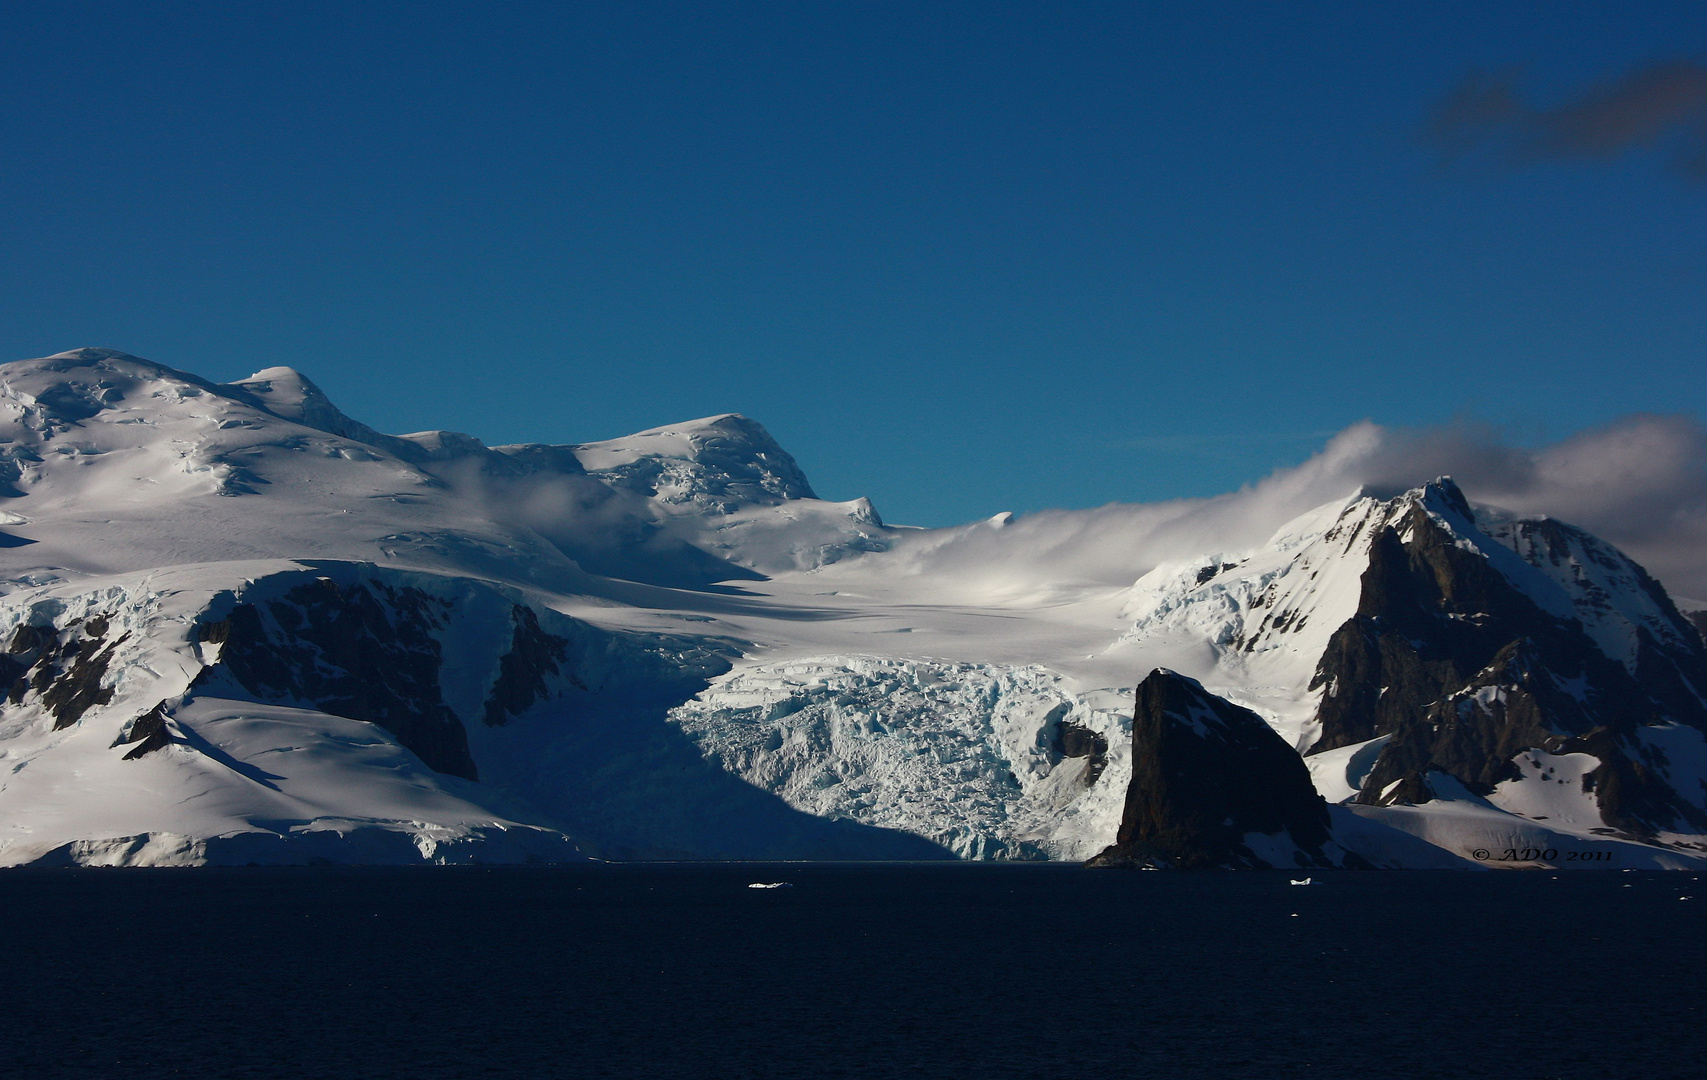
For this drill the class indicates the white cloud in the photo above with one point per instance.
(1639, 482)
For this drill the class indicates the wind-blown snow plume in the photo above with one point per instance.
(1640, 482)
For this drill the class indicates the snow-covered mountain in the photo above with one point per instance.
(241, 626)
(1461, 675)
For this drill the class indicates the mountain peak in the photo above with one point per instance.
(715, 462)
(290, 395)
(281, 373)
(1442, 493)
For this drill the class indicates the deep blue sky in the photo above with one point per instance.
(959, 258)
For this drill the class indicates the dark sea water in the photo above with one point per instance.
(855, 971)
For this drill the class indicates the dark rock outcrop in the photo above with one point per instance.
(364, 651)
(66, 668)
(148, 732)
(1698, 619)
(522, 672)
(1208, 779)
(1077, 741)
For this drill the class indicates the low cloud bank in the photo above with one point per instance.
(1639, 482)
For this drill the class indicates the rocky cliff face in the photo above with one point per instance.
(1465, 658)
(366, 651)
(60, 669)
(1698, 619)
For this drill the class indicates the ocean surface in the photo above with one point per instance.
(861, 971)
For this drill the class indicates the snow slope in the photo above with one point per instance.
(257, 746)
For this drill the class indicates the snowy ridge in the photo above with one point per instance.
(1615, 599)
(290, 395)
(94, 436)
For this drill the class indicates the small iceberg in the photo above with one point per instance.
(1295, 881)
(771, 885)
